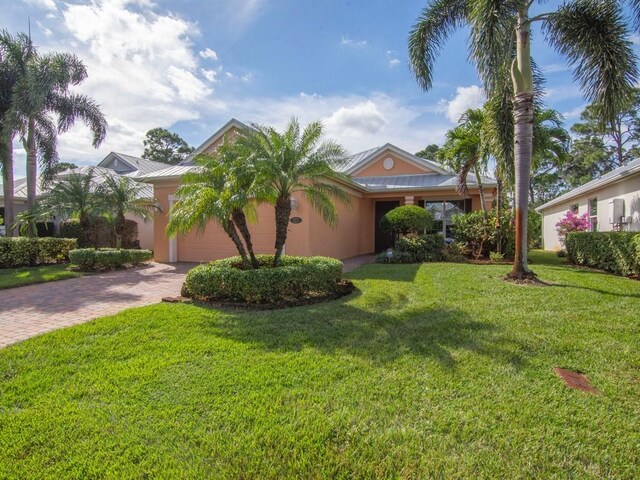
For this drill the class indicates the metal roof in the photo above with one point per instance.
(412, 182)
(213, 138)
(140, 166)
(611, 177)
(169, 172)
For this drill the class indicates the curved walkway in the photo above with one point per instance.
(34, 309)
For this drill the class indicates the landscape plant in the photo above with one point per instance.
(616, 252)
(405, 220)
(572, 222)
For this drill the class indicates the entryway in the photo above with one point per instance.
(384, 240)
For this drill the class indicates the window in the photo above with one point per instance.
(593, 214)
(443, 212)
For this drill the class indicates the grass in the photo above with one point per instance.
(438, 370)
(18, 277)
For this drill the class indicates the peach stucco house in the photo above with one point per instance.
(381, 179)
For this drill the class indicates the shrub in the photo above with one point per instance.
(616, 252)
(99, 233)
(572, 222)
(496, 257)
(481, 235)
(297, 277)
(406, 219)
(416, 249)
(534, 229)
(108, 258)
(29, 252)
(72, 229)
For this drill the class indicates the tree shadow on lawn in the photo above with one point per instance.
(380, 336)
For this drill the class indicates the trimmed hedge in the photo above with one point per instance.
(416, 249)
(407, 219)
(298, 277)
(30, 252)
(89, 259)
(616, 252)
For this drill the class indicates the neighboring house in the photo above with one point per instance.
(113, 163)
(381, 179)
(611, 201)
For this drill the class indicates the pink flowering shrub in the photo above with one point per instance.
(572, 222)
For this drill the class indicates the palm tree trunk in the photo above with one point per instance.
(283, 212)
(499, 210)
(240, 219)
(8, 184)
(32, 164)
(483, 205)
(230, 229)
(523, 140)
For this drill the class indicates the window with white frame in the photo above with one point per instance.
(593, 214)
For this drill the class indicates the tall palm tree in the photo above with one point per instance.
(591, 34)
(118, 195)
(43, 105)
(466, 150)
(293, 161)
(209, 194)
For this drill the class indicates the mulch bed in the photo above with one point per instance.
(345, 288)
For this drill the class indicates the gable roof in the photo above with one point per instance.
(139, 166)
(213, 139)
(613, 176)
(362, 159)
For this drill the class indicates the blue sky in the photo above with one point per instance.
(190, 65)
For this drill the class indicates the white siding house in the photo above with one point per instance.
(612, 202)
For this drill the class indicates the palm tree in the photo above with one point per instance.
(296, 161)
(73, 196)
(41, 92)
(208, 194)
(118, 195)
(466, 149)
(591, 34)
(550, 144)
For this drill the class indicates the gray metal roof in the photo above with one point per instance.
(611, 177)
(169, 172)
(411, 182)
(216, 135)
(357, 158)
(139, 166)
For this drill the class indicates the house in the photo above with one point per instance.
(114, 162)
(382, 178)
(611, 201)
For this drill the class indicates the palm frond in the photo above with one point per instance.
(427, 37)
(592, 34)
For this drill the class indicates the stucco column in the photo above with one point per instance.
(408, 200)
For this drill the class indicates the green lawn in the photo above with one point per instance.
(439, 370)
(17, 277)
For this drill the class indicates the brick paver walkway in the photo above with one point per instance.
(35, 309)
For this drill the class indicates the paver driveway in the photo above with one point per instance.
(35, 309)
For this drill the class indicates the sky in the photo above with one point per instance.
(191, 65)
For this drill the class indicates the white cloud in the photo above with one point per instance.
(393, 59)
(635, 38)
(46, 31)
(189, 87)
(359, 119)
(574, 113)
(46, 4)
(208, 53)
(143, 71)
(350, 42)
(562, 93)
(466, 97)
(555, 68)
(209, 74)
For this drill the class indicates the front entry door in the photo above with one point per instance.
(384, 239)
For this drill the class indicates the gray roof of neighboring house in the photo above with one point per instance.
(611, 177)
(416, 181)
(140, 166)
(169, 172)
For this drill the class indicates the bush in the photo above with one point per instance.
(298, 277)
(480, 235)
(616, 252)
(29, 252)
(72, 229)
(572, 222)
(407, 219)
(108, 258)
(496, 257)
(416, 249)
(99, 233)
